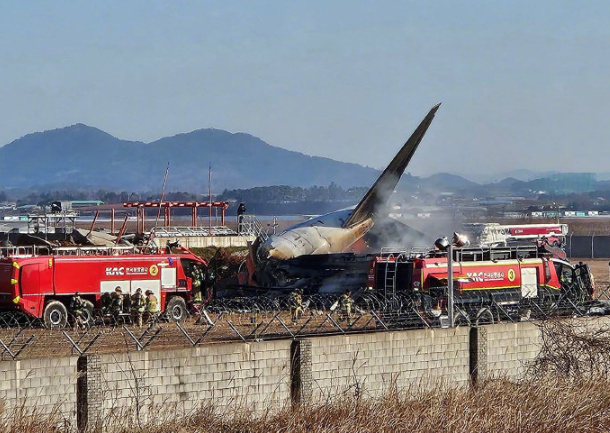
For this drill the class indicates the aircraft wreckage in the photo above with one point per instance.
(319, 255)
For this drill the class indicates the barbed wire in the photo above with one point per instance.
(266, 318)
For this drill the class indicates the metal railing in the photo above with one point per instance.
(190, 231)
(46, 250)
(249, 225)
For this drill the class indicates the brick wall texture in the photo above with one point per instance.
(372, 364)
(156, 385)
(507, 349)
(41, 386)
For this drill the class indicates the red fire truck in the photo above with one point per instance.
(42, 286)
(487, 281)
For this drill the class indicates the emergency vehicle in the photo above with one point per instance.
(490, 234)
(488, 282)
(42, 286)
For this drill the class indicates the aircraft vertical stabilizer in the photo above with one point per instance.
(383, 187)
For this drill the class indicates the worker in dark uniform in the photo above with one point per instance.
(117, 304)
(346, 304)
(296, 305)
(241, 210)
(138, 304)
(78, 309)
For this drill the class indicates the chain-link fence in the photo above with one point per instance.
(593, 247)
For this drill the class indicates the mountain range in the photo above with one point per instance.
(80, 156)
(84, 157)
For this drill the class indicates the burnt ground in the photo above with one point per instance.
(39, 342)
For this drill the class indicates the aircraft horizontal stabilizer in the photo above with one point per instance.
(383, 187)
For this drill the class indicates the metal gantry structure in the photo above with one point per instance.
(167, 207)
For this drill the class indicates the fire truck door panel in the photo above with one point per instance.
(168, 278)
(529, 283)
(109, 286)
(29, 280)
(35, 279)
(152, 285)
(46, 278)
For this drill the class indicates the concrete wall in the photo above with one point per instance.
(43, 386)
(506, 349)
(157, 385)
(162, 384)
(373, 363)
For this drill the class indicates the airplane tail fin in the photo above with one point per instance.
(384, 186)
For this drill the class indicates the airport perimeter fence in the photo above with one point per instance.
(588, 247)
(250, 320)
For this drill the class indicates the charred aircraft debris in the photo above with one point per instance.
(318, 254)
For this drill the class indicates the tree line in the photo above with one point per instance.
(290, 194)
(264, 194)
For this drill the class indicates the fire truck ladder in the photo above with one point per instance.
(392, 257)
(390, 278)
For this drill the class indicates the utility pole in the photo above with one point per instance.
(210, 191)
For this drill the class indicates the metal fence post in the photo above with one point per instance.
(450, 285)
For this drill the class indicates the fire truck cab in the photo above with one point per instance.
(42, 286)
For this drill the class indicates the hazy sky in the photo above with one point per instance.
(524, 84)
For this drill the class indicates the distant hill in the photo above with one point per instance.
(80, 156)
(522, 174)
(448, 182)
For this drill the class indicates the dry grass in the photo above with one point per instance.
(495, 406)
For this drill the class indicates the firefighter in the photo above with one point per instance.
(117, 303)
(345, 307)
(78, 307)
(198, 277)
(152, 306)
(138, 304)
(296, 305)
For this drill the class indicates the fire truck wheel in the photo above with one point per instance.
(88, 316)
(55, 315)
(176, 309)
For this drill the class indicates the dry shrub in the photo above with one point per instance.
(572, 350)
(31, 420)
